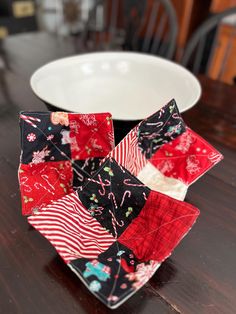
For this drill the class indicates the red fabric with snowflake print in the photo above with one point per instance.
(159, 227)
(186, 158)
(42, 183)
(91, 135)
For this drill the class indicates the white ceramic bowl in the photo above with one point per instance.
(129, 85)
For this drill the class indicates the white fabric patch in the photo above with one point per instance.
(156, 181)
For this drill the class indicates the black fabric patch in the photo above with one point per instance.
(46, 141)
(84, 169)
(160, 128)
(110, 271)
(114, 197)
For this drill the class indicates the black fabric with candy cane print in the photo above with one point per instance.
(113, 184)
(160, 128)
(84, 169)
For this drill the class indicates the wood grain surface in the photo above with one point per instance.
(200, 275)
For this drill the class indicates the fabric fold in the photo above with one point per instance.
(114, 232)
(59, 150)
(165, 154)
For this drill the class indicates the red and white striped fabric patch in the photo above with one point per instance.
(71, 229)
(128, 154)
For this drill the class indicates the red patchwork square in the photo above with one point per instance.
(42, 183)
(159, 227)
(186, 158)
(91, 135)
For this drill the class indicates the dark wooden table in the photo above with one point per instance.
(199, 277)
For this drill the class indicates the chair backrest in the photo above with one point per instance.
(200, 49)
(148, 26)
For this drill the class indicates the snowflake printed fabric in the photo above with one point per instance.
(59, 150)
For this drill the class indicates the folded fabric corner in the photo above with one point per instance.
(165, 154)
(114, 232)
(59, 150)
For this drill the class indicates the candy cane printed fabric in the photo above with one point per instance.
(165, 154)
(115, 231)
(59, 150)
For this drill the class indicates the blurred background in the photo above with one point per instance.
(200, 34)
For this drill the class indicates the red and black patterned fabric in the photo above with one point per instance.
(114, 232)
(113, 185)
(59, 150)
(160, 128)
(121, 224)
(165, 154)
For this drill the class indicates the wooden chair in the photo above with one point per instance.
(209, 51)
(148, 26)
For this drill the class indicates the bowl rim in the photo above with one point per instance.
(83, 56)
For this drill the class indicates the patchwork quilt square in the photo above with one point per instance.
(160, 128)
(68, 225)
(165, 154)
(43, 183)
(163, 220)
(115, 231)
(72, 143)
(108, 196)
(112, 218)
